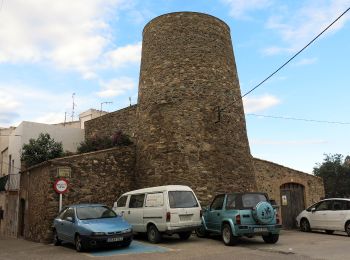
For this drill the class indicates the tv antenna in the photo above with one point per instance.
(104, 103)
(65, 118)
(73, 95)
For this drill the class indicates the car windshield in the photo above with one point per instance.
(95, 212)
(251, 199)
(182, 199)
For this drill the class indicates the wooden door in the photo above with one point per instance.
(292, 203)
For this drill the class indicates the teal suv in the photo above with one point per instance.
(241, 214)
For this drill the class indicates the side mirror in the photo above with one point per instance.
(70, 219)
(313, 210)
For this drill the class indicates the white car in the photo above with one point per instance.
(172, 209)
(330, 215)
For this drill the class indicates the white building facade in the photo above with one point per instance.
(12, 141)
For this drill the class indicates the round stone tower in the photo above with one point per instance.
(188, 75)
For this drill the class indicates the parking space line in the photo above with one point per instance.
(136, 247)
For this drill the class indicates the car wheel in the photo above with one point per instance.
(329, 232)
(305, 225)
(347, 228)
(201, 232)
(185, 235)
(271, 238)
(227, 236)
(56, 240)
(79, 246)
(153, 234)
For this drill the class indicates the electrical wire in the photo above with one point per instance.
(284, 64)
(300, 119)
(295, 55)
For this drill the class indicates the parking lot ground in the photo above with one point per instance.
(136, 247)
(292, 245)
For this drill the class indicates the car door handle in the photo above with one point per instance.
(122, 211)
(218, 214)
(61, 224)
(129, 212)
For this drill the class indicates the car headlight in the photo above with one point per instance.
(98, 233)
(127, 230)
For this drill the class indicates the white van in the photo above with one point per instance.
(165, 209)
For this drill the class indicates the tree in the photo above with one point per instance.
(335, 173)
(41, 149)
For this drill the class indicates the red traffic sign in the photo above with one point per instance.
(61, 186)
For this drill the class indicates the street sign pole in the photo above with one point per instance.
(60, 206)
(60, 186)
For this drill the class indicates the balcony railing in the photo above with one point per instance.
(10, 182)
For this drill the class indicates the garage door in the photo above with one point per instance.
(292, 203)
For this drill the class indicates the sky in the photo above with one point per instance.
(90, 50)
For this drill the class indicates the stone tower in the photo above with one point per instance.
(188, 71)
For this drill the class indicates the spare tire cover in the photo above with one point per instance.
(263, 212)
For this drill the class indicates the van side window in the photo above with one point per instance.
(136, 201)
(154, 200)
(122, 201)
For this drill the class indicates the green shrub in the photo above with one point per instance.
(97, 143)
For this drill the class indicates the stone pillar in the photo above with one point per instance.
(188, 70)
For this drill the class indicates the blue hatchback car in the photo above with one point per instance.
(91, 225)
(241, 214)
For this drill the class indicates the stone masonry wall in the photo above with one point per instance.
(187, 72)
(107, 125)
(270, 176)
(98, 177)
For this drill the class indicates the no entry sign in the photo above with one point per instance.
(61, 186)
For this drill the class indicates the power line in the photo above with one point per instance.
(284, 64)
(295, 55)
(300, 119)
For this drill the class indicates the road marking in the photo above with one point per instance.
(136, 247)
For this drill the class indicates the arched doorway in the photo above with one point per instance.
(292, 203)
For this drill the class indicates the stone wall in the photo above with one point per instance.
(188, 73)
(97, 177)
(270, 176)
(107, 125)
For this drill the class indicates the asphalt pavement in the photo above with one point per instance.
(292, 245)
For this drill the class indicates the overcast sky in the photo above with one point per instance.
(52, 49)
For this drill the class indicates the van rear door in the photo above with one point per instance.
(184, 209)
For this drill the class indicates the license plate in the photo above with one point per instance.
(185, 217)
(114, 239)
(260, 230)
